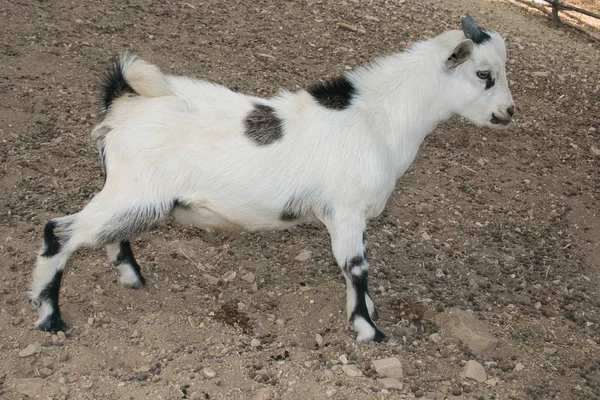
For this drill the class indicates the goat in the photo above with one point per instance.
(214, 158)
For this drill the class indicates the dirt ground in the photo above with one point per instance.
(504, 224)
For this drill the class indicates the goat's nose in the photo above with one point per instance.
(511, 110)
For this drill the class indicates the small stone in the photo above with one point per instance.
(540, 74)
(31, 387)
(391, 383)
(249, 277)
(351, 370)
(473, 370)
(30, 350)
(343, 359)
(435, 337)
(209, 372)
(595, 151)
(410, 372)
(211, 279)
(45, 372)
(468, 329)
(537, 305)
(229, 276)
(492, 382)
(388, 367)
(419, 393)
(519, 367)
(141, 376)
(456, 391)
(330, 392)
(319, 339)
(303, 256)
(255, 342)
(144, 368)
(90, 321)
(17, 321)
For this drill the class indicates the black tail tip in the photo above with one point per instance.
(113, 86)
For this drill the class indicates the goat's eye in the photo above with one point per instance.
(483, 74)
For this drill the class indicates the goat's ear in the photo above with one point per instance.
(461, 53)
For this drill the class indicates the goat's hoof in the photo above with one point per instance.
(52, 323)
(131, 281)
(379, 336)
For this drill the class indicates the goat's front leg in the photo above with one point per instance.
(348, 244)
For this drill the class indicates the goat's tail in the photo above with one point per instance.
(133, 75)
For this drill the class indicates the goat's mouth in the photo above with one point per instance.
(495, 120)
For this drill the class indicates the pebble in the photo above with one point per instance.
(229, 276)
(90, 321)
(319, 339)
(249, 277)
(141, 376)
(255, 342)
(473, 370)
(456, 391)
(419, 393)
(45, 372)
(468, 329)
(519, 367)
(351, 370)
(209, 372)
(211, 279)
(31, 387)
(343, 359)
(391, 383)
(388, 367)
(410, 372)
(435, 337)
(30, 350)
(303, 256)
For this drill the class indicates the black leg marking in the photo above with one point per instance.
(335, 94)
(53, 322)
(131, 223)
(51, 242)
(263, 127)
(125, 256)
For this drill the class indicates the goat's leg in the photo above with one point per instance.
(47, 274)
(349, 251)
(121, 256)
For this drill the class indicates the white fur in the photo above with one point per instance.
(184, 139)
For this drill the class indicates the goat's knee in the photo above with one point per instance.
(121, 256)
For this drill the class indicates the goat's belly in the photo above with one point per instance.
(204, 216)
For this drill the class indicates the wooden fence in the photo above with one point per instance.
(555, 6)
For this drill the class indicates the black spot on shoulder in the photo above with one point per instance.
(262, 125)
(113, 86)
(336, 93)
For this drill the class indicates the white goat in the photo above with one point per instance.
(214, 158)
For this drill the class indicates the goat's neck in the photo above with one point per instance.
(402, 97)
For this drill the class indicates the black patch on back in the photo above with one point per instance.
(336, 93)
(51, 242)
(113, 86)
(262, 125)
(489, 82)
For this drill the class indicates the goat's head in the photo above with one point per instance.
(478, 87)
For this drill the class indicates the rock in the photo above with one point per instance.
(391, 383)
(255, 342)
(388, 367)
(519, 367)
(537, 305)
(492, 382)
(595, 151)
(419, 393)
(473, 370)
(249, 277)
(330, 392)
(229, 276)
(211, 279)
(351, 370)
(435, 337)
(319, 339)
(90, 321)
(31, 387)
(540, 74)
(467, 329)
(303, 256)
(144, 368)
(456, 391)
(31, 350)
(209, 372)
(343, 359)
(45, 372)
(142, 376)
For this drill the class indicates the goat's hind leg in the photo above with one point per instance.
(121, 256)
(47, 275)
